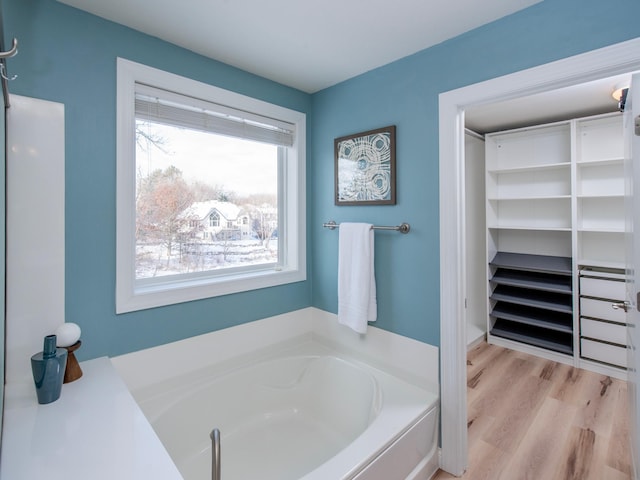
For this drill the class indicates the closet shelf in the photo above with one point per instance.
(559, 322)
(533, 280)
(530, 197)
(533, 228)
(533, 263)
(529, 168)
(555, 302)
(599, 195)
(592, 262)
(555, 341)
(601, 230)
(601, 161)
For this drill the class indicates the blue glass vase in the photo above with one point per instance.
(48, 370)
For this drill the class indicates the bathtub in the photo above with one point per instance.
(303, 412)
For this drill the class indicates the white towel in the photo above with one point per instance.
(356, 278)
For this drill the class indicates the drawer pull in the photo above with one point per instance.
(621, 306)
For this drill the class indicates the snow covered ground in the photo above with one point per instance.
(153, 261)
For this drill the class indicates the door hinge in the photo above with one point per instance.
(636, 123)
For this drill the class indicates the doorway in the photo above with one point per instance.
(591, 66)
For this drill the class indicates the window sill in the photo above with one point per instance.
(172, 292)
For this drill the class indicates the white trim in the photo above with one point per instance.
(129, 295)
(471, 133)
(608, 61)
(452, 291)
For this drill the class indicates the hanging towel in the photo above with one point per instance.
(356, 278)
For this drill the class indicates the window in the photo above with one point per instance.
(210, 191)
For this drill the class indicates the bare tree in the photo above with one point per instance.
(265, 222)
(203, 192)
(162, 199)
(146, 139)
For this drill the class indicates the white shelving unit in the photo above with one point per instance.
(528, 189)
(600, 192)
(600, 219)
(555, 207)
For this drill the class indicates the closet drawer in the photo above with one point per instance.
(602, 288)
(608, 332)
(590, 307)
(603, 352)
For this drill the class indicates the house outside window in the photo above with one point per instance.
(203, 174)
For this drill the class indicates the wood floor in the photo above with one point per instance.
(531, 418)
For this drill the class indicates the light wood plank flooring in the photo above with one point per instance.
(534, 419)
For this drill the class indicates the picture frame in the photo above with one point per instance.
(365, 168)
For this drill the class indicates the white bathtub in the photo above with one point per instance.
(303, 412)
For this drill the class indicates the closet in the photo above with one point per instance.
(555, 241)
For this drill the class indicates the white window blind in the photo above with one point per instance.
(162, 106)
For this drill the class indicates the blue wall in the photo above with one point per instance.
(70, 57)
(405, 93)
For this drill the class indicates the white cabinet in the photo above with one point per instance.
(555, 196)
(603, 331)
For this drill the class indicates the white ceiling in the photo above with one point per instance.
(572, 102)
(314, 47)
(306, 45)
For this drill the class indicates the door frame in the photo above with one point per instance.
(605, 62)
(632, 220)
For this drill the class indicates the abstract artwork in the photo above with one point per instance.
(365, 168)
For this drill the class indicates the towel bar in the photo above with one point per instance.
(402, 228)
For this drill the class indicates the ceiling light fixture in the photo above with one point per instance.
(618, 89)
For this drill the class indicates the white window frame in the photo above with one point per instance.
(130, 294)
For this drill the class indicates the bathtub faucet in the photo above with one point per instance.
(215, 454)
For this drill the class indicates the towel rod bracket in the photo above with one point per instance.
(404, 227)
(12, 52)
(331, 225)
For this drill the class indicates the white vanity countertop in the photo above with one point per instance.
(95, 430)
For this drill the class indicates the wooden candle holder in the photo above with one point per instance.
(73, 370)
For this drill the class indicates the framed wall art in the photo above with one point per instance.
(365, 168)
